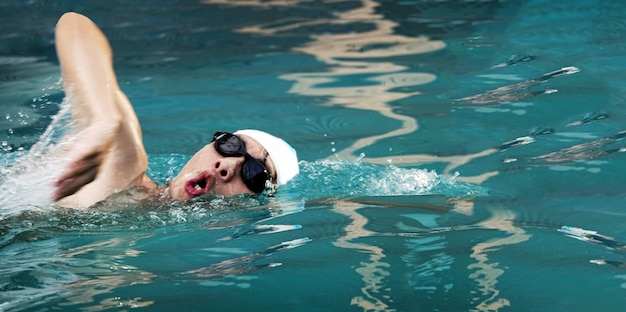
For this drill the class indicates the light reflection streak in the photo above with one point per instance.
(107, 273)
(257, 3)
(239, 265)
(359, 53)
(373, 272)
(486, 272)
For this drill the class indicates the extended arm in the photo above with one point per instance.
(108, 155)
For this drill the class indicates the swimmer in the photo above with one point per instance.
(108, 155)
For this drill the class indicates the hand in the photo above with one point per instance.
(91, 150)
(80, 173)
(108, 155)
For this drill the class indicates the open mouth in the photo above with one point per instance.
(198, 186)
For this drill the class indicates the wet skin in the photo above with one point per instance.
(208, 172)
(109, 155)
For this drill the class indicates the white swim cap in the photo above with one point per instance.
(283, 155)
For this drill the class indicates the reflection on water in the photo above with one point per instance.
(257, 3)
(43, 270)
(519, 90)
(575, 157)
(602, 240)
(374, 293)
(486, 272)
(237, 265)
(103, 268)
(583, 151)
(428, 257)
(359, 54)
(455, 256)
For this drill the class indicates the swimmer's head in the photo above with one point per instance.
(283, 156)
(247, 161)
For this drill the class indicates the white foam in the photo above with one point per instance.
(27, 178)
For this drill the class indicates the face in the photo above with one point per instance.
(208, 172)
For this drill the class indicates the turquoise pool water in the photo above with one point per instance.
(456, 156)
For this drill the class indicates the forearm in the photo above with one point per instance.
(88, 77)
(108, 155)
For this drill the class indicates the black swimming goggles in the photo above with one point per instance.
(254, 173)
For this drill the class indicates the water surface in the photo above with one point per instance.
(455, 156)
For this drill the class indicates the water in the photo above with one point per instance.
(456, 156)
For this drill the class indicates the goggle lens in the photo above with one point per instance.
(253, 172)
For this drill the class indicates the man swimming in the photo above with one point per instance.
(108, 155)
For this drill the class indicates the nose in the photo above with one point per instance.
(226, 168)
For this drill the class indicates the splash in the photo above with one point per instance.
(26, 177)
(337, 178)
